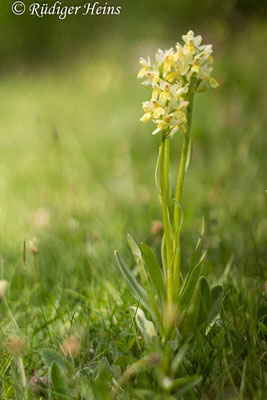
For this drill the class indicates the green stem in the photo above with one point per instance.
(178, 195)
(167, 171)
(164, 185)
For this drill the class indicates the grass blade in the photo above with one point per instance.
(197, 251)
(190, 284)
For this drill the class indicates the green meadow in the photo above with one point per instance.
(77, 175)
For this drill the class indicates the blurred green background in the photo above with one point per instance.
(77, 166)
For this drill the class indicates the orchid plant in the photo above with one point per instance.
(160, 289)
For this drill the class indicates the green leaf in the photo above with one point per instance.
(189, 154)
(49, 356)
(146, 327)
(176, 362)
(59, 379)
(145, 281)
(137, 291)
(155, 273)
(124, 361)
(204, 301)
(138, 259)
(186, 383)
(104, 370)
(84, 388)
(190, 284)
(217, 295)
(263, 328)
(197, 251)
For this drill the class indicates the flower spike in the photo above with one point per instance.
(170, 77)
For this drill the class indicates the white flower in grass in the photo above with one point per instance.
(174, 73)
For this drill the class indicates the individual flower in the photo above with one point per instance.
(165, 91)
(176, 74)
(146, 64)
(191, 43)
(148, 109)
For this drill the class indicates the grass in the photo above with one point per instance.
(76, 175)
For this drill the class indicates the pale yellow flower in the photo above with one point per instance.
(156, 91)
(145, 118)
(146, 66)
(174, 73)
(213, 83)
(169, 59)
(166, 92)
(158, 110)
(148, 109)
